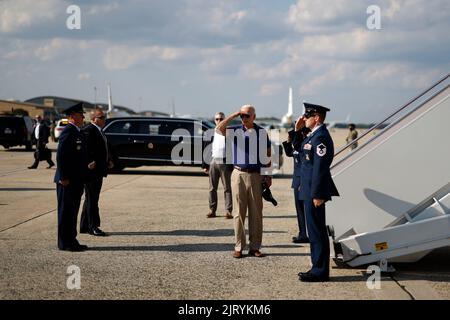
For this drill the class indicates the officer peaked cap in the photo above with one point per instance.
(314, 108)
(77, 108)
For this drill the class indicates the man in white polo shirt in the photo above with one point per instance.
(218, 169)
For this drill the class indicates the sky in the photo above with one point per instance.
(205, 56)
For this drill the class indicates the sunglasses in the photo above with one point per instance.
(309, 115)
(245, 116)
(101, 117)
(219, 119)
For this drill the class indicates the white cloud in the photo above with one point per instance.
(84, 76)
(318, 15)
(59, 47)
(375, 75)
(102, 9)
(123, 57)
(19, 14)
(270, 89)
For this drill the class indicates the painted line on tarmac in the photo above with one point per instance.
(12, 172)
(53, 210)
(20, 223)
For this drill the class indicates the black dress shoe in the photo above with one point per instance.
(97, 232)
(300, 240)
(50, 166)
(32, 167)
(310, 277)
(75, 248)
(303, 273)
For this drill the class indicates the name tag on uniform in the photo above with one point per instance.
(78, 144)
(307, 146)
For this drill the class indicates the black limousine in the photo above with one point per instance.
(144, 141)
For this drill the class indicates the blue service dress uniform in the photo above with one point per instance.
(316, 154)
(72, 164)
(293, 149)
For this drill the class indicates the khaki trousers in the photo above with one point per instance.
(247, 191)
(223, 172)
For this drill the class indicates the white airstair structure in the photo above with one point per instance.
(395, 188)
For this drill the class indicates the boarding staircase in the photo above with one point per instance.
(395, 188)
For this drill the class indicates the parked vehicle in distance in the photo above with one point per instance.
(147, 141)
(16, 131)
(60, 125)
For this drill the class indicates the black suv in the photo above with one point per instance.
(16, 131)
(147, 141)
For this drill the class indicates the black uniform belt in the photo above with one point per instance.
(247, 170)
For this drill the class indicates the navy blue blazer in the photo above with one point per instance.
(71, 157)
(316, 155)
(97, 151)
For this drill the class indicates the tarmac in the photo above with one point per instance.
(161, 245)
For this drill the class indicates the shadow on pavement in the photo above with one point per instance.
(178, 173)
(279, 217)
(162, 173)
(16, 149)
(27, 189)
(196, 247)
(434, 266)
(197, 233)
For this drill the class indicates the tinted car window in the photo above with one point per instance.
(170, 126)
(151, 128)
(123, 127)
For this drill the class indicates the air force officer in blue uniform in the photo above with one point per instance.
(72, 165)
(316, 188)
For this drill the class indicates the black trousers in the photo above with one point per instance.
(318, 237)
(41, 154)
(301, 220)
(69, 199)
(90, 216)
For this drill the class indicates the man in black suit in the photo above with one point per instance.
(40, 134)
(71, 171)
(98, 158)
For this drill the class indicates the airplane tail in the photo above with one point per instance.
(290, 107)
(110, 105)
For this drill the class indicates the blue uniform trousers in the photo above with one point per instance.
(318, 237)
(299, 208)
(69, 199)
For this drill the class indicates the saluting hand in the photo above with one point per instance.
(318, 202)
(300, 123)
(91, 165)
(64, 183)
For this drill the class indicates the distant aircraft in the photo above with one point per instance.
(110, 105)
(333, 124)
(287, 121)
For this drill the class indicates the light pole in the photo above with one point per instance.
(95, 96)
